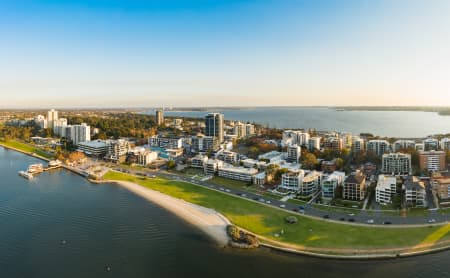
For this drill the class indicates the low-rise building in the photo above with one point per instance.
(442, 188)
(292, 180)
(237, 173)
(272, 156)
(199, 161)
(212, 166)
(228, 157)
(415, 193)
(386, 188)
(328, 166)
(165, 142)
(354, 187)
(96, 148)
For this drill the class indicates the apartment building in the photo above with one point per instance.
(330, 182)
(237, 173)
(396, 164)
(386, 187)
(310, 184)
(415, 193)
(378, 147)
(354, 186)
(432, 160)
(293, 153)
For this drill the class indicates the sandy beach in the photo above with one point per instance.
(208, 220)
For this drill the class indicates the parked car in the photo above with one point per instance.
(370, 221)
(432, 220)
(282, 206)
(326, 216)
(387, 223)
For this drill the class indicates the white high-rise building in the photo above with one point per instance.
(403, 144)
(314, 144)
(378, 147)
(445, 144)
(295, 137)
(52, 116)
(59, 127)
(293, 153)
(78, 133)
(357, 144)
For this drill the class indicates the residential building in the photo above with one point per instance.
(354, 187)
(240, 129)
(403, 144)
(199, 161)
(212, 166)
(214, 126)
(415, 193)
(295, 137)
(396, 164)
(328, 166)
(117, 150)
(272, 156)
(292, 180)
(52, 116)
(431, 144)
(260, 178)
(357, 144)
(159, 116)
(228, 157)
(204, 143)
(386, 188)
(378, 147)
(165, 142)
(445, 144)
(442, 188)
(330, 182)
(419, 147)
(293, 153)
(333, 143)
(310, 184)
(59, 127)
(432, 160)
(249, 130)
(237, 173)
(314, 144)
(78, 133)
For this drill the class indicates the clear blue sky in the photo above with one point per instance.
(206, 52)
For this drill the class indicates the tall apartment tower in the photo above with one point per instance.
(52, 117)
(159, 117)
(214, 126)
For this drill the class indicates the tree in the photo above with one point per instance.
(339, 163)
(310, 161)
(171, 164)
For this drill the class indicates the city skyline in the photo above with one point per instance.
(224, 53)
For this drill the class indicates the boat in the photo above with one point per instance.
(35, 168)
(25, 175)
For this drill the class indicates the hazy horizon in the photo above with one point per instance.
(87, 53)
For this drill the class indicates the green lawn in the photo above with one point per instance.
(26, 148)
(267, 221)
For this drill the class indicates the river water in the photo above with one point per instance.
(404, 124)
(60, 225)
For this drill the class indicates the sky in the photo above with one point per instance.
(135, 53)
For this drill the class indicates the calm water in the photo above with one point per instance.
(104, 225)
(383, 123)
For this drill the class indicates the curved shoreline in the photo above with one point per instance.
(214, 224)
(211, 222)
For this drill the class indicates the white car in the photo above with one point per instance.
(268, 202)
(282, 206)
(370, 221)
(227, 190)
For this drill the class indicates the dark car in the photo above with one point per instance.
(342, 219)
(387, 223)
(326, 216)
(301, 207)
(351, 220)
(295, 209)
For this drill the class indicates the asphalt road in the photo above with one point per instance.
(369, 217)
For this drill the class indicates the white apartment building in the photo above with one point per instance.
(292, 180)
(199, 161)
(237, 173)
(272, 156)
(212, 166)
(431, 144)
(386, 187)
(52, 116)
(310, 184)
(357, 144)
(293, 153)
(415, 193)
(396, 164)
(445, 144)
(146, 157)
(403, 144)
(329, 183)
(117, 149)
(165, 142)
(314, 144)
(78, 133)
(295, 137)
(228, 156)
(378, 147)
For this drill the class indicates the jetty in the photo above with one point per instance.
(38, 168)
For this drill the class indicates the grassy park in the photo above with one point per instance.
(26, 148)
(307, 233)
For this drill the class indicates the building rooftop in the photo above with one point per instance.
(414, 183)
(385, 181)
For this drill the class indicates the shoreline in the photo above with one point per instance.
(211, 222)
(214, 224)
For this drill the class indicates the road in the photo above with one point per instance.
(359, 216)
